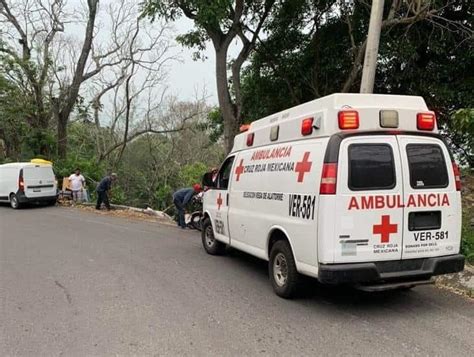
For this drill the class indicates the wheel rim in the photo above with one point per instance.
(280, 269)
(14, 202)
(209, 237)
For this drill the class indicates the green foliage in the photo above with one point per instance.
(192, 173)
(117, 195)
(309, 53)
(467, 242)
(214, 125)
(460, 131)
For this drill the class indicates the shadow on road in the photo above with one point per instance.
(313, 292)
(26, 206)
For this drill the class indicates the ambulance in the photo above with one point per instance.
(355, 189)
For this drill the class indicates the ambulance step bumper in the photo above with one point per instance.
(395, 270)
(394, 286)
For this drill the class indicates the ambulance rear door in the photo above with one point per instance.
(369, 200)
(432, 217)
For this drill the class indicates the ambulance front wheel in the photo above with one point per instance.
(282, 269)
(211, 245)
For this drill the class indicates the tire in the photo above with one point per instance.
(282, 270)
(196, 220)
(210, 244)
(14, 202)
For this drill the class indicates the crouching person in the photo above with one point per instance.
(182, 198)
(103, 191)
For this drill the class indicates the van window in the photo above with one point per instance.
(225, 172)
(371, 167)
(38, 172)
(427, 166)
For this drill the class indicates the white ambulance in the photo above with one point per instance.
(353, 189)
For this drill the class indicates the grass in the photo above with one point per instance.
(467, 244)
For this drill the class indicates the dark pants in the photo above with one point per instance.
(180, 209)
(102, 196)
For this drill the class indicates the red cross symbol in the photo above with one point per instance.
(385, 229)
(239, 170)
(219, 201)
(303, 167)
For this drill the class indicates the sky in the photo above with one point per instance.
(190, 76)
(185, 78)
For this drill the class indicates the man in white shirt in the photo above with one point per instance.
(77, 182)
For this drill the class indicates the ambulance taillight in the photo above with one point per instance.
(457, 176)
(425, 121)
(328, 179)
(348, 119)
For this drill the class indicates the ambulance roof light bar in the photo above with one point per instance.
(348, 119)
(244, 127)
(425, 121)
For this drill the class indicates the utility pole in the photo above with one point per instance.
(372, 48)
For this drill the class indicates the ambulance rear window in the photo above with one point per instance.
(371, 167)
(427, 166)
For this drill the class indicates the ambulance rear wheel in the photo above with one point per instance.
(209, 242)
(282, 268)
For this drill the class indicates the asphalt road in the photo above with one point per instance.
(75, 283)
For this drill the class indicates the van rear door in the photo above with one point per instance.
(39, 181)
(432, 217)
(369, 200)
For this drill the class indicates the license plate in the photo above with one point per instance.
(37, 190)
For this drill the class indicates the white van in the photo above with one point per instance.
(26, 182)
(353, 189)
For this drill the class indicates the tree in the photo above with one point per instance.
(37, 30)
(316, 48)
(220, 22)
(53, 66)
(13, 108)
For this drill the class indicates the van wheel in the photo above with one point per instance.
(211, 245)
(282, 269)
(14, 202)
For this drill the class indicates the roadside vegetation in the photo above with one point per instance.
(468, 217)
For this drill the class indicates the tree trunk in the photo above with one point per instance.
(68, 99)
(231, 124)
(62, 136)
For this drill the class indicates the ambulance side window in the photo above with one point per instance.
(371, 167)
(225, 172)
(427, 166)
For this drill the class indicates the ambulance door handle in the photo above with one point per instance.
(227, 199)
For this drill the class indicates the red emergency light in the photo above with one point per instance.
(244, 127)
(348, 119)
(250, 137)
(425, 121)
(307, 126)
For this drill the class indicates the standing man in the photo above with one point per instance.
(103, 190)
(181, 198)
(77, 184)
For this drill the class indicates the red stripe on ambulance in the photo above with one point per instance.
(396, 201)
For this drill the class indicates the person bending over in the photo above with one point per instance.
(103, 191)
(182, 198)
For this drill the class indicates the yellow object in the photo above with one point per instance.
(41, 161)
